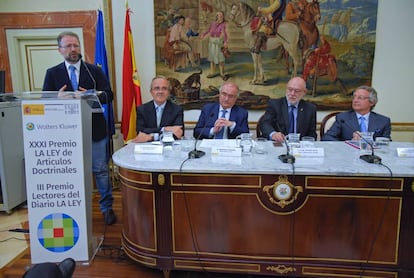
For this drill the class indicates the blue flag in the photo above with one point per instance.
(102, 61)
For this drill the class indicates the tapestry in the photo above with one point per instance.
(202, 43)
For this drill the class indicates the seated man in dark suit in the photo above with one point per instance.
(360, 118)
(159, 114)
(223, 120)
(289, 114)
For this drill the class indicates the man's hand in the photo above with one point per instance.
(279, 137)
(63, 88)
(142, 137)
(221, 123)
(356, 136)
(176, 129)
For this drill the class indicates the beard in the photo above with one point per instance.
(73, 57)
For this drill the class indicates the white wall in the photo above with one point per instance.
(394, 60)
(393, 54)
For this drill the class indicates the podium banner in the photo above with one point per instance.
(58, 173)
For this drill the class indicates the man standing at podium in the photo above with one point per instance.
(76, 75)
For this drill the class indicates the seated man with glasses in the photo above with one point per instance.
(289, 114)
(223, 120)
(360, 119)
(159, 114)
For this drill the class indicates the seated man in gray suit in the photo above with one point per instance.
(159, 114)
(361, 118)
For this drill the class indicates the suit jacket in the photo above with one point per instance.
(209, 115)
(346, 123)
(276, 118)
(57, 76)
(147, 117)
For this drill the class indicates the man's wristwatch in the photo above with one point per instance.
(155, 136)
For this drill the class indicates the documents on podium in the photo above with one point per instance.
(58, 158)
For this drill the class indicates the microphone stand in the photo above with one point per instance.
(198, 153)
(370, 158)
(285, 158)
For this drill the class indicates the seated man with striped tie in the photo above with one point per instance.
(360, 119)
(223, 120)
(159, 114)
(289, 114)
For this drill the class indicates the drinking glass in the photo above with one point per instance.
(307, 142)
(293, 141)
(260, 145)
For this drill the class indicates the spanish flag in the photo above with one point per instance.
(131, 88)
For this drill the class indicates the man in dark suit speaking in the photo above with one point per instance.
(223, 120)
(289, 114)
(76, 75)
(360, 119)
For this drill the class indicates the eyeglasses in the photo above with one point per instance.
(69, 46)
(360, 97)
(224, 94)
(160, 89)
(294, 90)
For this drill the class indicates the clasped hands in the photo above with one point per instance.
(221, 123)
(142, 137)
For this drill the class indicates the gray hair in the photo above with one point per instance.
(373, 96)
(231, 84)
(162, 77)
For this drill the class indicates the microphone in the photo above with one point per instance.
(198, 153)
(89, 72)
(285, 158)
(370, 158)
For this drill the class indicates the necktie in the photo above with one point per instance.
(292, 119)
(159, 115)
(73, 78)
(362, 124)
(220, 134)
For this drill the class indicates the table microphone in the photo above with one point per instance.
(285, 158)
(370, 158)
(198, 153)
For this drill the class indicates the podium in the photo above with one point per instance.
(57, 129)
(12, 181)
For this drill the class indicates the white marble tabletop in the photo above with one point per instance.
(339, 159)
